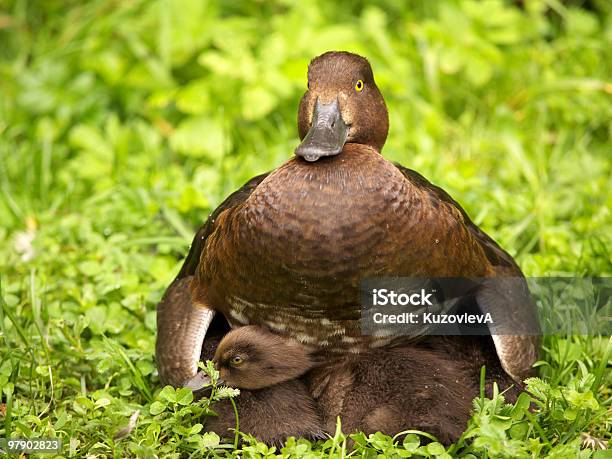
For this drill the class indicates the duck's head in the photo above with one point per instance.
(252, 358)
(342, 105)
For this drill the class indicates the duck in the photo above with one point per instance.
(289, 249)
(386, 390)
(265, 367)
(417, 387)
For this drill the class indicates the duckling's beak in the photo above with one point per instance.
(327, 134)
(200, 381)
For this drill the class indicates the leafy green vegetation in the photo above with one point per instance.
(123, 123)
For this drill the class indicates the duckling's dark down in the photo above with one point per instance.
(272, 404)
(390, 390)
(428, 386)
(289, 249)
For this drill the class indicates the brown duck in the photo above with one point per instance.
(288, 250)
(273, 405)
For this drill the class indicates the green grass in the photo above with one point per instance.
(122, 124)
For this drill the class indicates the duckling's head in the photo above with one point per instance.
(342, 105)
(252, 357)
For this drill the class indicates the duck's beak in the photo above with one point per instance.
(327, 134)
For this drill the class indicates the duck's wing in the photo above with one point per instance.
(506, 296)
(181, 324)
(494, 253)
(236, 198)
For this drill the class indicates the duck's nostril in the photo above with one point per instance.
(333, 125)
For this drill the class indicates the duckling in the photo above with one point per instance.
(409, 387)
(272, 404)
(388, 390)
(289, 249)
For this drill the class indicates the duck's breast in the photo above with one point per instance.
(336, 217)
(299, 246)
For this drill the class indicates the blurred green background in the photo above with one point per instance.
(124, 123)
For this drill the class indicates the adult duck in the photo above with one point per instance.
(288, 250)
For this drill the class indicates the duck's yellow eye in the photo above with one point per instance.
(359, 86)
(236, 360)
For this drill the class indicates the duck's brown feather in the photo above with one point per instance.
(345, 218)
(176, 343)
(497, 256)
(192, 260)
(292, 255)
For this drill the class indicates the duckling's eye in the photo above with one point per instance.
(359, 86)
(237, 360)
